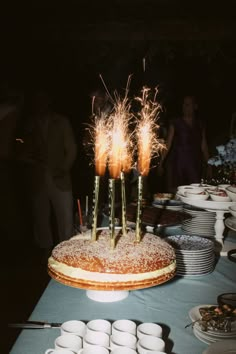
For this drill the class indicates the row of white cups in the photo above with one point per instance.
(100, 336)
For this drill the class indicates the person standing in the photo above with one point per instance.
(186, 148)
(50, 151)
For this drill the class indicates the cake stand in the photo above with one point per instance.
(219, 208)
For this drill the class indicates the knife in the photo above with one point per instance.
(34, 325)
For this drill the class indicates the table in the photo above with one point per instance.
(167, 304)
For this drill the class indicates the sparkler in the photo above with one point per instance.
(148, 145)
(101, 144)
(119, 158)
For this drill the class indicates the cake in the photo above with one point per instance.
(93, 265)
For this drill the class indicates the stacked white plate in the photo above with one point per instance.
(210, 336)
(195, 255)
(202, 222)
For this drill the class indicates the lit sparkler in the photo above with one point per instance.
(148, 145)
(101, 146)
(119, 158)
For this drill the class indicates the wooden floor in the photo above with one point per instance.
(23, 280)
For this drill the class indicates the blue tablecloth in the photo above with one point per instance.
(167, 304)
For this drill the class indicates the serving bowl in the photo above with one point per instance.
(163, 196)
(219, 195)
(232, 210)
(232, 188)
(231, 194)
(189, 188)
(197, 194)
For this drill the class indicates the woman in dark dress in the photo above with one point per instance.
(186, 148)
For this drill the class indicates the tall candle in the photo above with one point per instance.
(112, 212)
(123, 203)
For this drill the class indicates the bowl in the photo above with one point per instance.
(220, 195)
(197, 195)
(231, 194)
(232, 210)
(232, 188)
(184, 189)
(163, 196)
(223, 186)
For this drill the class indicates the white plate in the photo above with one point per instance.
(231, 223)
(192, 274)
(195, 315)
(190, 243)
(222, 347)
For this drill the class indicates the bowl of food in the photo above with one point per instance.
(223, 186)
(197, 194)
(232, 188)
(231, 194)
(232, 210)
(163, 196)
(220, 195)
(189, 188)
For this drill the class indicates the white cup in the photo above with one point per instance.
(68, 341)
(96, 338)
(149, 329)
(123, 339)
(148, 344)
(123, 350)
(94, 350)
(124, 326)
(99, 326)
(73, 327)
(59, 351)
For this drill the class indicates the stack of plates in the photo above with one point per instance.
(195, 255)
(202, 222)
(210, 336)
(171, 204)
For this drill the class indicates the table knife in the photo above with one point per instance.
(34, 325)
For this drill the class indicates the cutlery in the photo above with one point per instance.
(34, 325)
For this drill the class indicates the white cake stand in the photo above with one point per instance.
(219, 208)
(107, 296)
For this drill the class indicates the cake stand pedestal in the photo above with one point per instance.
(219, 208)
(107, 296)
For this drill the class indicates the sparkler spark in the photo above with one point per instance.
(101, 144)
(146, 131)
(120, 157)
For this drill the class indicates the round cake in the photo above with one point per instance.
(93, 265)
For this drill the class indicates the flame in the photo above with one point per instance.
(101, 145)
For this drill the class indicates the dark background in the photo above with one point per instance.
(63, 46)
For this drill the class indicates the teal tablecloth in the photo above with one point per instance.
(167, 304)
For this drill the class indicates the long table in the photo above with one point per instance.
(167, 304)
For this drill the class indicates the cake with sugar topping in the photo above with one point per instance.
(93, 265)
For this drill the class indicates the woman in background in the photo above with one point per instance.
(186, 148)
